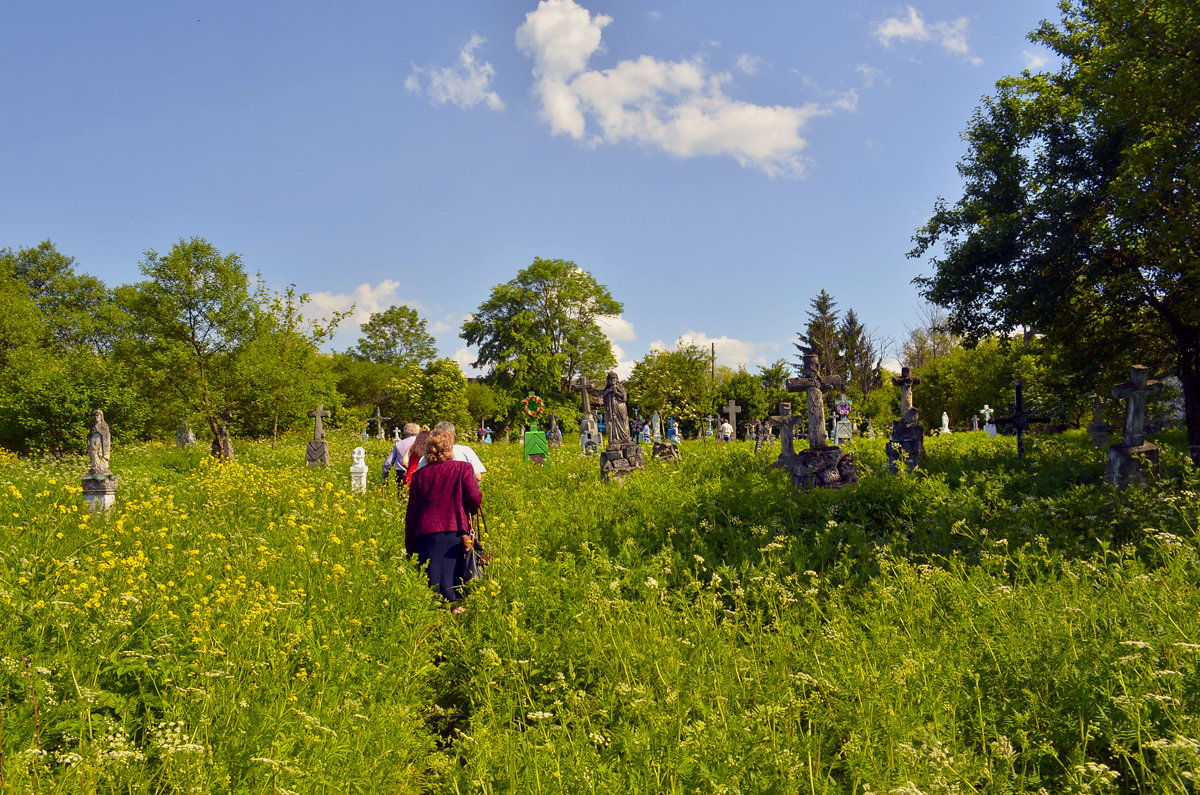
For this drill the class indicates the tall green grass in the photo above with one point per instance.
(984, 625)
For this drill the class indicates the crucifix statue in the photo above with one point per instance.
(784, 420)
(813, 383)
(317, 414)
(906, 381)
(377, 419)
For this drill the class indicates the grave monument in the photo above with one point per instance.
(358, 471)
(1020, 418)
(378, 420)
(589, 429)
(317, 452)
(99, 484)
(535, 447)
(623, 455)
(1133, 458)
(821, 465)
(989, 427)
(1098, 430)
(184, 436)
(908, 436)
(222, 446)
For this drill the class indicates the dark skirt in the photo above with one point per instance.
(444, 555)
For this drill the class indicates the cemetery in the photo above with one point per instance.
(963, 561)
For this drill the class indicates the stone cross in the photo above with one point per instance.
(906, 381)
(377, 419)
(583, 386)
(975, 423)
(709, 419)
(1020, 420)
(317, 414)
(732, 409)
(813, 383)
(784, 420)
(987, 412)
(1134, 392)
(1097, 405)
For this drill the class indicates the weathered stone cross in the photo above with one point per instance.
(813, 383)
(583, 386)
(784, 419)
(732, 409)
(378, 420)
(317, 414)
(905, 381)
(1134, 392)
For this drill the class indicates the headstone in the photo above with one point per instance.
(908, 436)
(533, 441)
(378, 420)
(396, 434)
(222, 446)
(317, 453)
(655, 428)
(1131, 460)
(99, 484)
(554, 435)
(732, 409)
(989, 427)
(945, 424)
(623, 455)
(843, 429)
(589, 429)
(975, 422)
(1020, 418)
(1099, 430)
(358, 471)
(184, 436)
(821, 465)
(708, 429)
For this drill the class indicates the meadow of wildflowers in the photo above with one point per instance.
(987, 625)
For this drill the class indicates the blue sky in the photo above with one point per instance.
(715, 164)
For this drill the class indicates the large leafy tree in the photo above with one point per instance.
(675, 383)
(1081, 212)
(397, 336)
(190, 319)
(539, 330)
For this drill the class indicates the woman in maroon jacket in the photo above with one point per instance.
(437, 527)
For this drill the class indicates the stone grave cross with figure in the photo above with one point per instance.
(583, 385)
(317, 453)
(907, 442)
(378, 419)
(814, 383)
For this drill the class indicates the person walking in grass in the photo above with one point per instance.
(394, 460)
(461, 451)
(442, 497)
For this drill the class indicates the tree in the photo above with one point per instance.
(821, 336)
(280, 373)
(482, 402)
(930, 340)
(397, 336)
(675, 383)
(861, 358)
(539, 331)
(189, 320)
(1081, 212)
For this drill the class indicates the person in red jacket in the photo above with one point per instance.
(442, 497)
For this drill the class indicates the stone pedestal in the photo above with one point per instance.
(826, 468)
(1131, 464)
(99, 492)
(1098, 432)
(907, 442)
(317, 453)
(665, 451)
(990, 429)
(554, 438)
(358, 472)
(621, 459)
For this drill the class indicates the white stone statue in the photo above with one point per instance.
(358, 471)
(989, 427)
(945, 423)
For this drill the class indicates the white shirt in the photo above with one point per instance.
(463, 453)
(726, 428)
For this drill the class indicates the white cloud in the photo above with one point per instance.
(847, 101)
(749, 64)
(949, 35)
(616, 327)
(465, 84)
(448, 322)
(678, 107)
(365, 299)
(1035, 61)
(869, 74)
(730, 352)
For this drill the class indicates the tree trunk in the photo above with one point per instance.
(1189, 374)
(275, 429)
